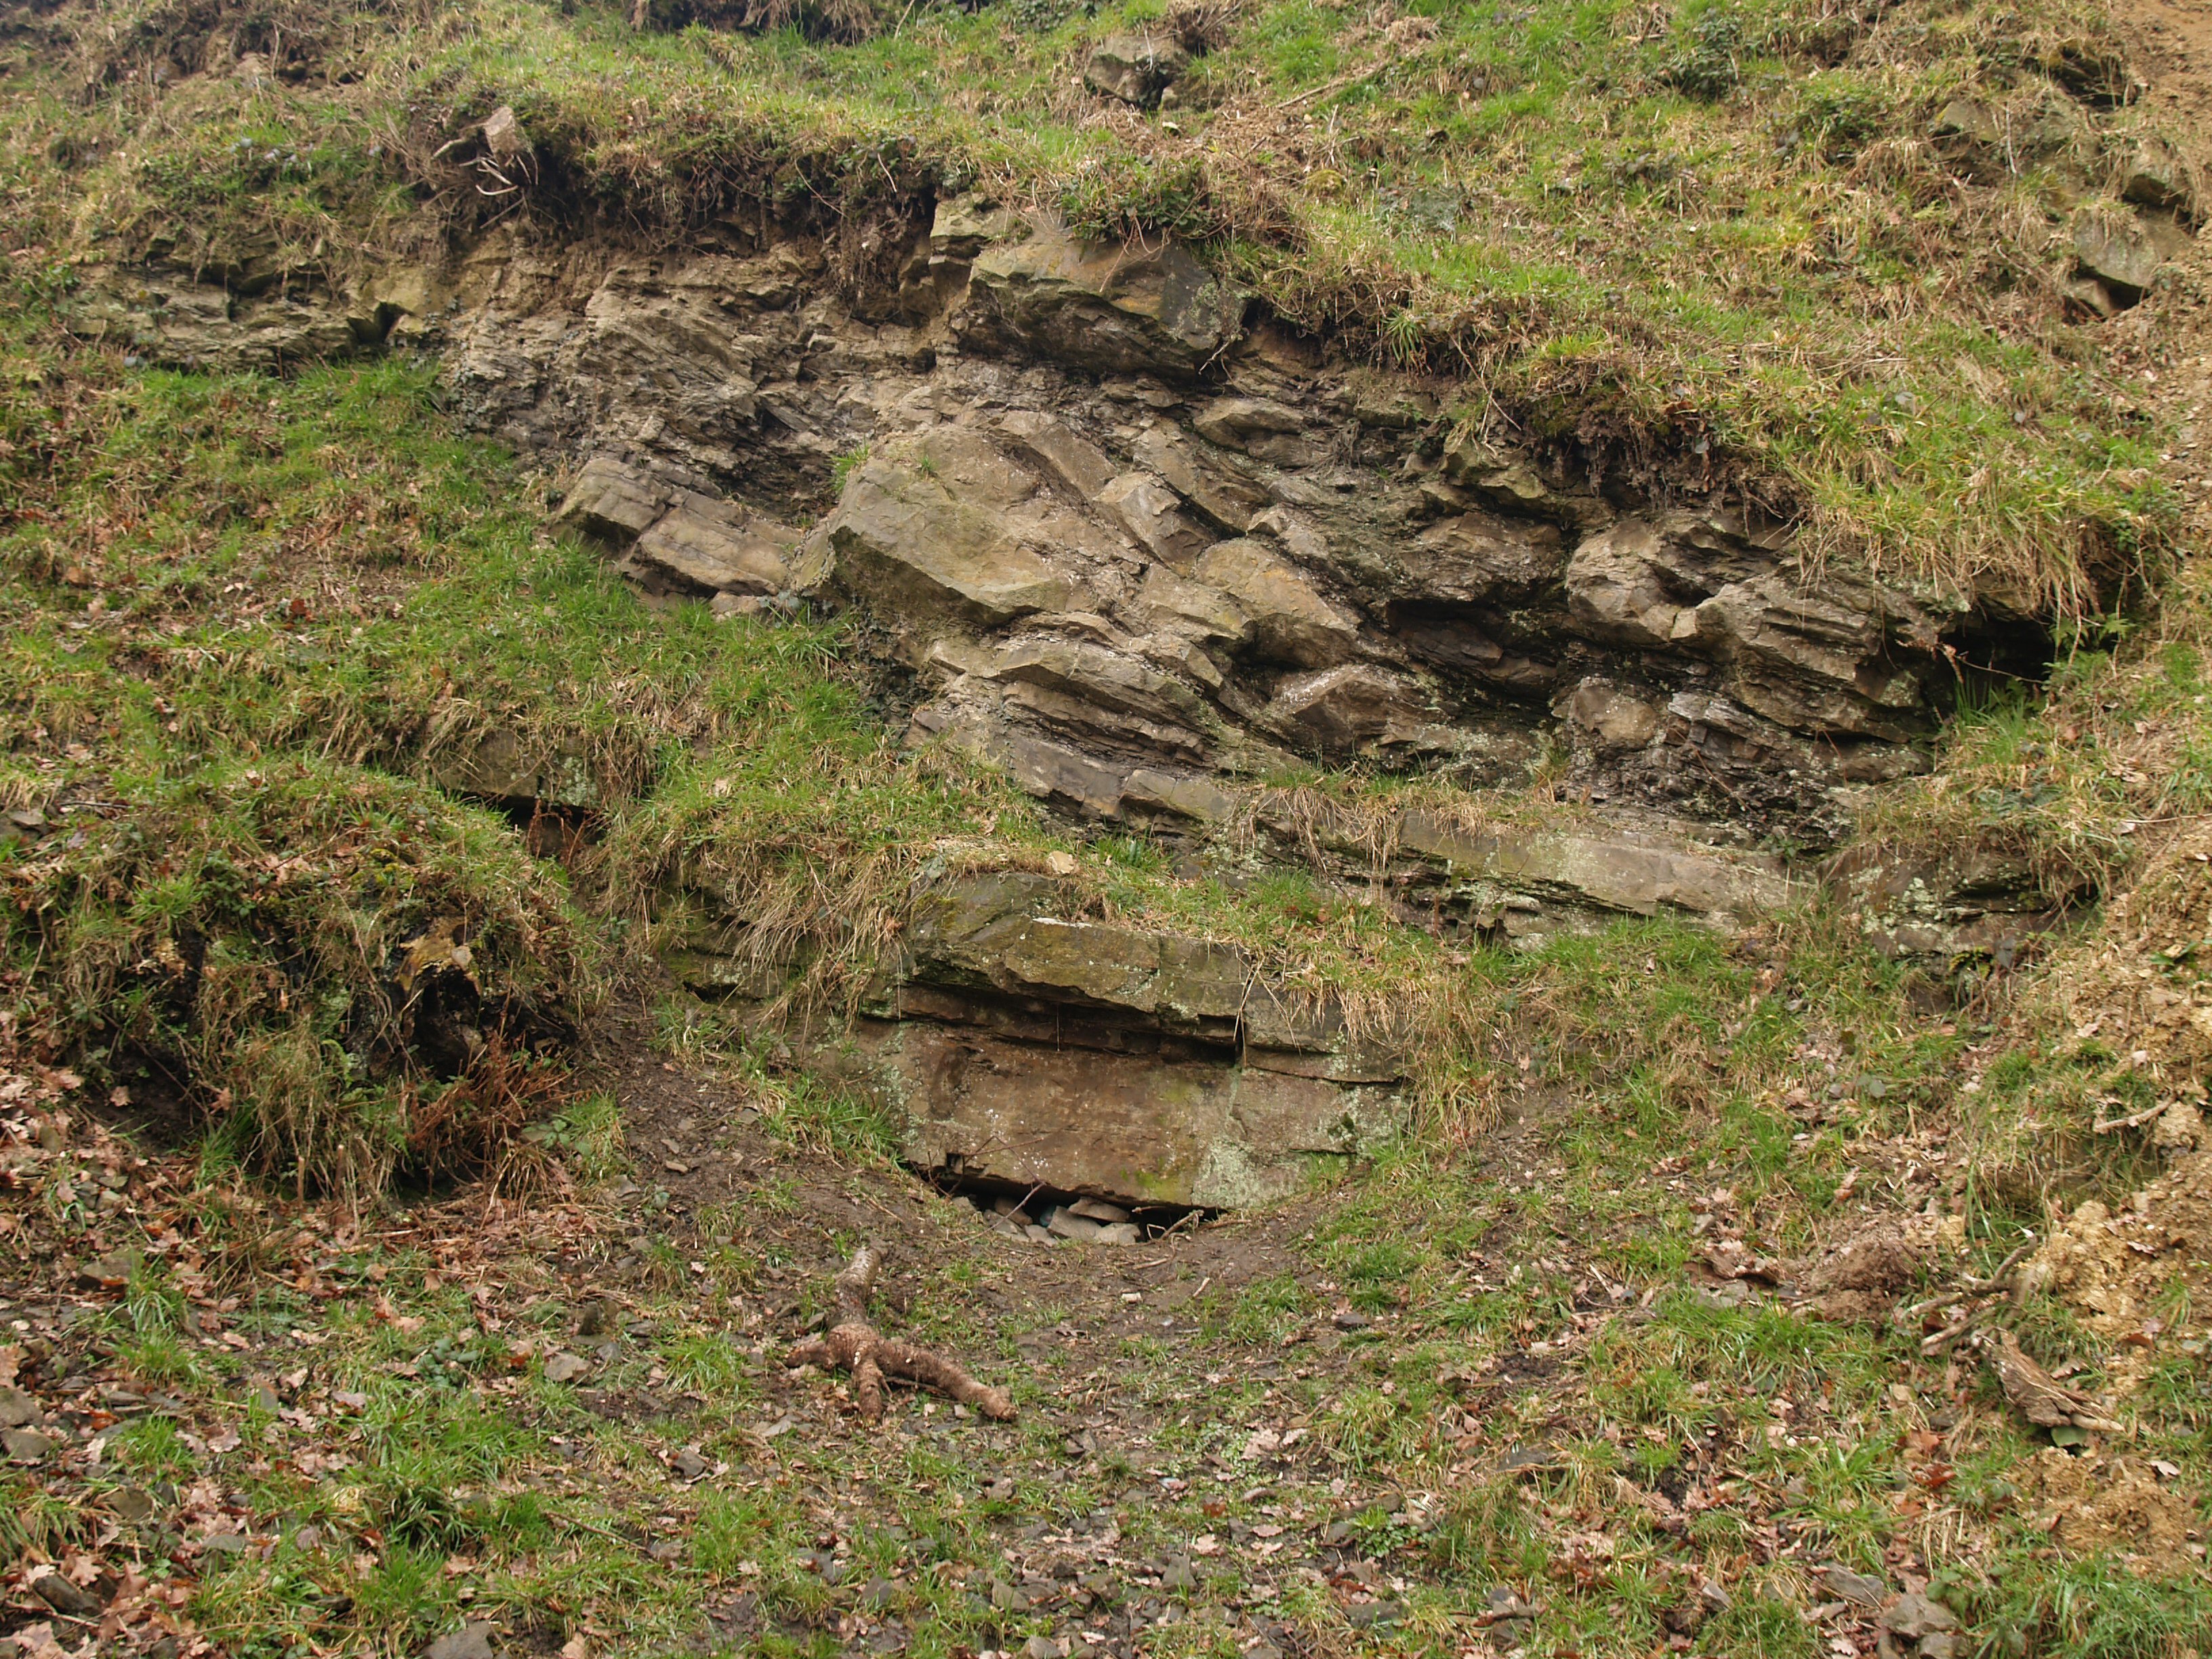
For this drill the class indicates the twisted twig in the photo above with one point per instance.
(854, 1345)
(1967, 1288)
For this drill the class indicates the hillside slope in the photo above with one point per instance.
(1531, 676)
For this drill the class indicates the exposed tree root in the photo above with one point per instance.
(855, 1345)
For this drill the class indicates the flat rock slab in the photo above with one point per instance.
(1143, 1066)
(471, 1641)
(1139, 1126)
(1000, 936)
(1614, 872)
(673, 540)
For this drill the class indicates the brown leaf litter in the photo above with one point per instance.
(2127, 1274)
(1863, 1276)
(2092, 1505)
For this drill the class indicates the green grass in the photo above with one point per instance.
(235, 923)
(278, 795)
(295, 638)
(1728, 233)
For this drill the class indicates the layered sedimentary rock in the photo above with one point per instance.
(1026, 1043)
(1131, 550)
(1028, 1048)
(1134, 545)
(1524, 883)
(1953, 910)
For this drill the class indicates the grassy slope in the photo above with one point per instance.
(193, 512)
(1651, 1036)
(468, 1484)
(1589, 220)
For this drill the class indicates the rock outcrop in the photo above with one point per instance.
(1135, 67)
(1128, 541)
(1108, 1059)
(676, 541)
(1955, 911)
(1523, 884)
(171, 316)
(1146, 309)
(1028, 1045)
(1024, 1041)
(2119, 256)
(1133, 546)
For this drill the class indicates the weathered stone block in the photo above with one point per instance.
(706, 546)
(1135, 67)
(1290, 621)
(1101, 307)
(906, 535)
(1618, 591)
(1150, 511)
(1074, 459)
(1611, 718)
(2120, 255)
(1340, 709)
(1224, 500)
(612, 502)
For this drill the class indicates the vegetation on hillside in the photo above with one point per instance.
(255, 904)
(215, 766)
(1725, 240)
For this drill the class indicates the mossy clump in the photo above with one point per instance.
(349, 974)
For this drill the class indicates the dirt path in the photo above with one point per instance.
(2172, 47)
(695, 1136)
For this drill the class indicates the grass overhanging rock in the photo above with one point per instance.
(1733, 247)
(347, 973)
(338, 799)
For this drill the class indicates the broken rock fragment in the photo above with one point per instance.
(1150, 513)
(2161, 178)
(1135, 67)
(611, 502)
(926, 523)
(1063, 1222)
(1225, 499)
(704, 546)
(17, 1409)
(1612, 717)
(2117, 254)
(1143, 310)
(27, 1445)
(1340, 709)
(673, 540)
(1290, 621)
(1919, 1624)
(503, 135)
(1073, 459)
(1619, 590)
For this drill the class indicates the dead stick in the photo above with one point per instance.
(2134, 1119)
(1951, 1332)
(855, 1345)
(1995, 1281)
